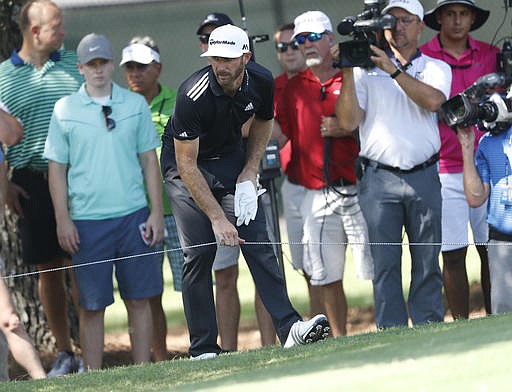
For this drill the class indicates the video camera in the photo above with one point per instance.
(366, 29)
(476, 105)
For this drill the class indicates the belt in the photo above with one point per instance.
(338, 182)
(26, 172)
(497, 235)
(341, 182)
(429, 162)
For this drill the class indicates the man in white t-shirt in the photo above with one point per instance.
(394, 104)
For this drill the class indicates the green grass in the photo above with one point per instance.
(459, 356)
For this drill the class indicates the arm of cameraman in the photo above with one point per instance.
(348, 111)
(421, 93)
(476, 191)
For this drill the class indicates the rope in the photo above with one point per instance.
(124, 258)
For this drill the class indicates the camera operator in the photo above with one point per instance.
(469, 59)
(322, 161)
(394, 104)
(487, 177)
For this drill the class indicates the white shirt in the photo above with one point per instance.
(3, 107)
(396, 131)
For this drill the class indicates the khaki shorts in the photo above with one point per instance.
(457, 213)
(330, 222)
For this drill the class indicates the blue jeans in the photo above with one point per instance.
(390, 202)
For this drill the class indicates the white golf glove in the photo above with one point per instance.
(246, 202)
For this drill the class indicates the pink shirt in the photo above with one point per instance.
(478, 59)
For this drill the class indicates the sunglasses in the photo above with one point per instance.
(132, 65)
(311, 37)
(204, 38)
(107, 111)
(282, 47)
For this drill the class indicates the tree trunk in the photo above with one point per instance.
(10, 36)
(24, 289)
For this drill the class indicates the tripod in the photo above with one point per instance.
(270, 169)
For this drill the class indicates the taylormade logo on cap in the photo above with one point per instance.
(212, 42)
(227, 41)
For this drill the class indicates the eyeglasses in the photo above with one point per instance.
(311, 37)
(406, 21)
(204, 38)
(107, 111)
(282, 47)
(132, 65)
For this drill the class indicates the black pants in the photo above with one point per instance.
(37, 229)
(195, 228)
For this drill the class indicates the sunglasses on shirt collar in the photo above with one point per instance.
(107, 111)
(282, 47)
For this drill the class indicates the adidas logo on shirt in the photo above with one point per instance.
(184, 134)
(249, 106)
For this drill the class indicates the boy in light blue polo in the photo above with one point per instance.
(101, 149)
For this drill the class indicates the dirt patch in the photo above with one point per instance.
(117, 346)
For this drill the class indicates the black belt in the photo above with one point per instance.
(429, 162)
(497, 235)
(26, 172)
(341, 182)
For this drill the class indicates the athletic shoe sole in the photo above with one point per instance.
(319, 331)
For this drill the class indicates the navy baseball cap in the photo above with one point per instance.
(214, 19)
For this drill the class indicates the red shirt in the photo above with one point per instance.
(477, 60)
(286, 151)
(299, 112)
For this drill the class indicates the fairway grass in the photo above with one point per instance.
(459, 356)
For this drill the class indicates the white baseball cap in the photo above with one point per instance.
(311, 22)
(412, 6)
(227, 41)
(139, 53)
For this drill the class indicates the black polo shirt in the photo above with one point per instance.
(204, 111)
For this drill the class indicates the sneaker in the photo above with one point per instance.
(202, 356)
(305, 332)
(65, 363)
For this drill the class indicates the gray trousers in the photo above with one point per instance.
(392, 201)
(194, 228)
(500, 268)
